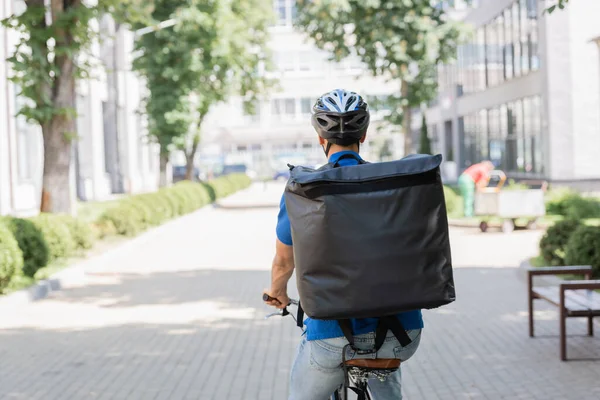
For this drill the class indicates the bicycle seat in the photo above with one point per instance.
(378, 363)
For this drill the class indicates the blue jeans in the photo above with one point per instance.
(317, 373)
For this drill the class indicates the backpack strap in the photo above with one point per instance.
(300, 316)
(385, 324)
(393, 324)
(346, 327)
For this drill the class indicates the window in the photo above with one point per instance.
(515, 38)
(285, 10)
(509, 135)
(525, 57)
(305, 105)
(508, 47)
(532, 37)
(283, 108)
(280, 11)
(25, 136)
(285, 61)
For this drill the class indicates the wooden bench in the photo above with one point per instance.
(574, 298)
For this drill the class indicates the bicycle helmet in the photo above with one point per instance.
(340, 117)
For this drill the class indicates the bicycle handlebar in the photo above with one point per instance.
(283, 311)
(266, 297)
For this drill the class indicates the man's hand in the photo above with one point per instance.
(280, 300)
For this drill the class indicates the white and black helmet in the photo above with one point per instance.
(341, 117)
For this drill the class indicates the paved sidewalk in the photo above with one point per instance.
(176, 314)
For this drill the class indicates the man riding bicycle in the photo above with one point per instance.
(317, 370)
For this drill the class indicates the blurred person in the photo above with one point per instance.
(474, 178)
(317, 370)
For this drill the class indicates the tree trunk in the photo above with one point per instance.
(56, 182)
(406, 120)
(189, 167)
(189, 159)
(164, 162)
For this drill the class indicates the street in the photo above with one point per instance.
(176, 314)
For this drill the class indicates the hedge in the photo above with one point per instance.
(26, 245)
(453, 201)
(572, 205)
(583, 248)
(32, 243)
(137, 213)
(57, 234)
(11, 257)
(554, 242)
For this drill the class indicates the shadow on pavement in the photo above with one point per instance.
(202, 335)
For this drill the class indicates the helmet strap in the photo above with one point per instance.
(327, 148)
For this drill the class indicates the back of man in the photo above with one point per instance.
(316, 372)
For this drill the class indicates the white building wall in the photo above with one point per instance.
(5, 166)
(585, 78)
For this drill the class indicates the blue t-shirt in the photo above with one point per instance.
(321, 329)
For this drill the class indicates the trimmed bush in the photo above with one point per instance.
(453, 201)
(554, 242)
(127, 219)
(82, 233)
(57, 235)
(583, 248)
(103, 228)
(11, 257)
(131, 216)
(32, 243)
(572, 205)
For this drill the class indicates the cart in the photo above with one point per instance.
(510, 205)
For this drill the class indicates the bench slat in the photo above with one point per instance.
(552, 295)
(585, 297)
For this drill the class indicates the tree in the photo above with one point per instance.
(425, 147)
(216, 49)
(402, 41)
(561, 4)
(47, 62)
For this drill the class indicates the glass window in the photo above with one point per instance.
(480, 81)
(532, 38)
(536, 135)
(280, 11)
(508, 46)
(516, 37)
(305, 105)
(524, 36)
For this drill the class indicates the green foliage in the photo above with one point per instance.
(11, 257)
(137, 213)
(49, 47)
(57, 235)
(572, 204)
(226, 185)
(402, 41)
(126, 218)
(32, 243)
(561, 4)
(81, 232)
(425, 147)
(583, 248)
(453, 201)
(554, 242)
(215, 49)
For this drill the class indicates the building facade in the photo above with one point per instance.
(281, 131)
(111, 154)
(524, 92)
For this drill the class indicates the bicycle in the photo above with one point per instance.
(356, 371)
